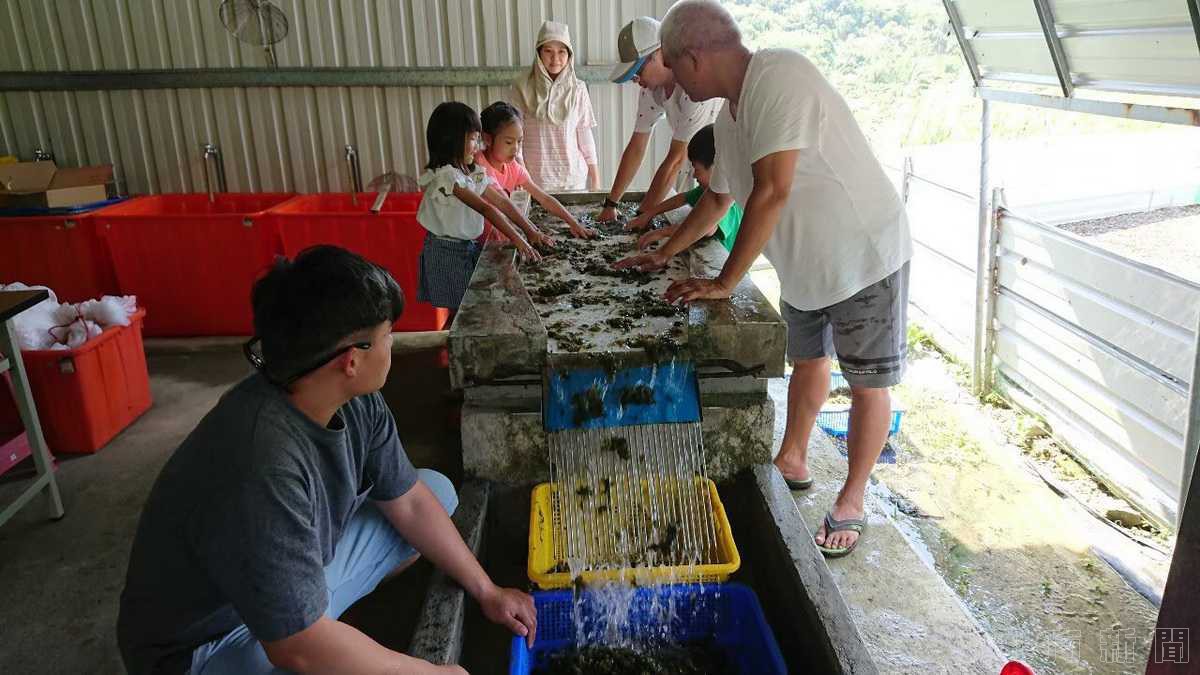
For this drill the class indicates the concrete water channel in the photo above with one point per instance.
(517, 320)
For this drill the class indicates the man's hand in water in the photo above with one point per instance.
(580, 231)
(688, 290)
(646, 240)
(607, 215)
(639, 222)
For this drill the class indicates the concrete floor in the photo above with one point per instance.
(910, 620)
(61, 581)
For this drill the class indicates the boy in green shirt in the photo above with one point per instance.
(702, 152)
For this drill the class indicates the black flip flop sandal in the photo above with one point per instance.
(848, 525)
(799, 484)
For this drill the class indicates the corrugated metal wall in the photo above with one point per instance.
(283, 139)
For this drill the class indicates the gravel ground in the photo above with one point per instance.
(1168, 239)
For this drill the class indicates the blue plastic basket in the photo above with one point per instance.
(837, 381)
(837, 422)
(726, 614)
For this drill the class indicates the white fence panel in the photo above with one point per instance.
(1104, 345)
(942, 283)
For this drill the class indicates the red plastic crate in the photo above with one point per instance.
(63, 253)
(190, 262)
(86, 396)
(391, 238)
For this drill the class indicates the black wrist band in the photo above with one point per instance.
(609, 203)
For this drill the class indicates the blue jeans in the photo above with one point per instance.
(369, 549)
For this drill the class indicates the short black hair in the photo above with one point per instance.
(304, 308)
(448, 127)
(496, 115)
(702, 149)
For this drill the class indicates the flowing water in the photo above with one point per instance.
(631, 505)
(631, 501)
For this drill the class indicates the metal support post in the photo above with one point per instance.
(982, 264)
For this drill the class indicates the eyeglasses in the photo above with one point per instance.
(256, 359)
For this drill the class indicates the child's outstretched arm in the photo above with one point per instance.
(652, 236)
(497, 218)
(642, 221)
(555, 208)
(706, 214)
(498, 199)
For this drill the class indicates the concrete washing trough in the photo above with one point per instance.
(518, 320)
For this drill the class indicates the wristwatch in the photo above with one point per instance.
(609, 203)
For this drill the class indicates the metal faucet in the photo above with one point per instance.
(355, 169)
(212, 152)
(382, 185)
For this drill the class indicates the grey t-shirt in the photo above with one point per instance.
(244, 518)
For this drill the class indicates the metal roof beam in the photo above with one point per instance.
(1057, 55)
(967, 51)
(1194, 11)
(1146, 113)
(205, 78)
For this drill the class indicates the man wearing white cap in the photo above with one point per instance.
(642, 62)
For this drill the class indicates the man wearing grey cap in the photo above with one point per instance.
(642, 62)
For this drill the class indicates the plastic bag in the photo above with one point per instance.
(111, 310)
(50, 325)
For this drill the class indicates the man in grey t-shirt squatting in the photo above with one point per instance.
(293, 498)
(822, 209)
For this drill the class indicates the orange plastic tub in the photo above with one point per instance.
(86, 396)
(63, 253)
(190, 262)
(391, 238)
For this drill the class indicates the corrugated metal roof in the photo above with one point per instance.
(1129, 46)
(283, 138)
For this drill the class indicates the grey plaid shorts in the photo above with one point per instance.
(445, 268)
(868, 332)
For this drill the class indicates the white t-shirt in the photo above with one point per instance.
(441, 212)
(684, 115)
(844, 226)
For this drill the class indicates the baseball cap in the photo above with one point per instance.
(637, 41)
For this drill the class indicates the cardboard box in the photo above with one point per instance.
(44, 185)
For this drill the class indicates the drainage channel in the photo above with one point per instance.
(805, 611)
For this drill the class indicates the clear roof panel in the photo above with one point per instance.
(1133, 46)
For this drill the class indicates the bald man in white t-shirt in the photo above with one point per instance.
(818, 204)
(641, 62)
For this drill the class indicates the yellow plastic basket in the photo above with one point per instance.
(546, 563)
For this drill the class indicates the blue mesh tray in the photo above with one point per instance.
(676, 396)
(837, 422)
(728, 615)
(59, 210)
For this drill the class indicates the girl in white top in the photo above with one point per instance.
(458, 196)
(560, 151)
